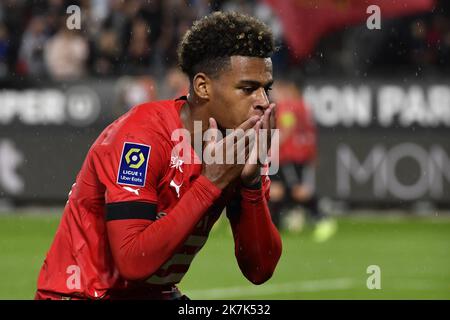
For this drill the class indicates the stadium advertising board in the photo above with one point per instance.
(383, 142)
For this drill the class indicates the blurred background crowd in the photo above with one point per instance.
(140, 37)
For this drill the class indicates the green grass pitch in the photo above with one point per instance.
(413, 255)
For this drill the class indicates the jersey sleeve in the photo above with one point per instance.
(130, 166)
(257, 241)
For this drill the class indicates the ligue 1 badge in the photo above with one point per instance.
(133, 164)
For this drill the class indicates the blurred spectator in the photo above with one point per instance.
(31, 54)
(94, 13)
(182, 14)
(137, 56)
(55, 12)
(176, 84)
(107, 53)
(158, 16)
(445, 49)
(12, 20)
(4, 47)
(420, 52)
(116, 20)
(66, 54)
(438, 38)
(133, 91)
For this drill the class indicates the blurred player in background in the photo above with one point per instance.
(294, 186)
(138, 213)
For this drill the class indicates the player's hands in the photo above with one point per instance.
(222, 173)
(251, 173)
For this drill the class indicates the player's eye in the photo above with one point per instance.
(248, 90)
(268, 90)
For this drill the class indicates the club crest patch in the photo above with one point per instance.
(133, 164)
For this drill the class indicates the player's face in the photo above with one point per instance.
(241, 91)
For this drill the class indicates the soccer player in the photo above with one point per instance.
(292, 186)
(138, 213)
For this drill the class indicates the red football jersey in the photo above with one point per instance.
(131, 161)
(297, 132)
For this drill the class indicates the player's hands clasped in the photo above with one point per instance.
(251, 172)
(235, 146)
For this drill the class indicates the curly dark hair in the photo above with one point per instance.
(212, 40)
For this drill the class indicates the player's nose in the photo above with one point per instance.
(262, 100)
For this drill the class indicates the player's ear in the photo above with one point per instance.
(201, 85)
